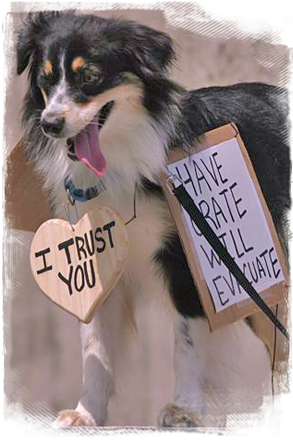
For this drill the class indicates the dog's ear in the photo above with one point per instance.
(25, 47)
(29, 37)
(155, 49)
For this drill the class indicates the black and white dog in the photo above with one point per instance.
(101, 111)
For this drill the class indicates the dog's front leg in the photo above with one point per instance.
(99, 341)
(189, 362)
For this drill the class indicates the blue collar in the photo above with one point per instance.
(80, 195)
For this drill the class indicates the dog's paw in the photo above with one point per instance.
(172, 416)
(70, 417)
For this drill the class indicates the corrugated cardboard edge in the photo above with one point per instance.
(247, 307)
(26, 202)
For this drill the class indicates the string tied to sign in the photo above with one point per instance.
(79, 195)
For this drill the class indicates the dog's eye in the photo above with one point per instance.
(90, 77)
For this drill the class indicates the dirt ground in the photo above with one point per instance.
(42, 361)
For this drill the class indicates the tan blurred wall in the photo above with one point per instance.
(43, 361)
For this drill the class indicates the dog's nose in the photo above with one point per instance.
(52, 125)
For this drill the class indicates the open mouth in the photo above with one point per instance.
(85, 146)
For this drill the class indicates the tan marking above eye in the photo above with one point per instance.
(48, 68)
(78, 63)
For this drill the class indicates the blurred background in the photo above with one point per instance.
(43, 360)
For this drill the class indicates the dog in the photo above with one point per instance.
(106, 80)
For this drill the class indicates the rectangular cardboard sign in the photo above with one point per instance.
(220, 178)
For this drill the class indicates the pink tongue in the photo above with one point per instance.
(87, 148)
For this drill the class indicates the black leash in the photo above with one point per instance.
(188, 204)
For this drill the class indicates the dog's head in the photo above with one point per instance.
(80, 67)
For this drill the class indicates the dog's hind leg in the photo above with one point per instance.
(265, 329)
(217, 374)
(101, 339)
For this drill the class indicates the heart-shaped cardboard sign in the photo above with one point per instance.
(77, 266)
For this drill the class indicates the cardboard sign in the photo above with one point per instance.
(219, 177)
(78, 266)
